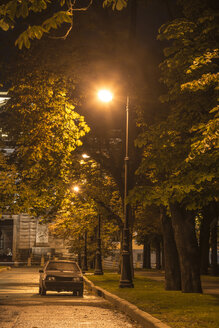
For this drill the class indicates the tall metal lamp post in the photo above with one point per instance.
(126, 271)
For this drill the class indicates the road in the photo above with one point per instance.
(22, 307)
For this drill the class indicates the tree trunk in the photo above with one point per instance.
(163, 256)
(148, 263)
(120, 251)
(131, 255)
(144, 266)
(184, 231)
(214, 265)
(172, 268)
(146, 253)
(158, 250)
(204, 240)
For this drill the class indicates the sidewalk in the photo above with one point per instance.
(210, 285)
(142, 317)
(154, 307)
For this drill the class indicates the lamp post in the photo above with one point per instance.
(126, 271)
(98, 260)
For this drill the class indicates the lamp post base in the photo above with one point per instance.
(98, 263)
(126, 273)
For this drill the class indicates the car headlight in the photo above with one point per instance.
(51, 278)
(77, 279)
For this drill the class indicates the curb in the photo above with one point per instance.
(5, 269)
(142, 317)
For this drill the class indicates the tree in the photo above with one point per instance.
(44, 130)
(8, 189)
(173, 177)
(53, 15)
(79, 210)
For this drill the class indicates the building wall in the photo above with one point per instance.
(26, 237)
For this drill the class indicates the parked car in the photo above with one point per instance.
(61, 276)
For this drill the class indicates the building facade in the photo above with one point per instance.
(22, 236)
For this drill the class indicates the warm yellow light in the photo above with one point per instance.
(85, 156)
(76, 189)
(105, 95)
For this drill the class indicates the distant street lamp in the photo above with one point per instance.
(126, 271)
(76, 189)
(85, 156)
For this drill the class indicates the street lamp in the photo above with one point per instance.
(76, 189)
(105, 95)
(126, 271)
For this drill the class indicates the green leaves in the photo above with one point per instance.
(8, 188)
(45, 133)
(37, 32)
(14, 9)
(57, 20)
(180, 153)
(115, 4)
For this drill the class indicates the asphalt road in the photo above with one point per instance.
(22, 307)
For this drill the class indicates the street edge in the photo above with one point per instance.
(142, 317)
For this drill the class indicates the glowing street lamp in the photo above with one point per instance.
(85, 156)
(126, 271)
(105, 95)
(76, 189)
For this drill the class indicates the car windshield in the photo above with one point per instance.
(62, 266)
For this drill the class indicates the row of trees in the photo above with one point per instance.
(174, 164)
(180, 154)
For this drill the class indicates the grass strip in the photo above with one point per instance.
(176, 309)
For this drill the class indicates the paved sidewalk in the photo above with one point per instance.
(210, 285)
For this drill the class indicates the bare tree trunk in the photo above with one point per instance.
(120, 251)
(163, 256)
(204, 240)
(145, 244)
(172, 268)
(184, 231)
(214, 264)
(146, 253)
(158, 250)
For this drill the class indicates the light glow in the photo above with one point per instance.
(76, 189)
(105, 95)
(85, 156)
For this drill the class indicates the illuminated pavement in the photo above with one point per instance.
(22, 307)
